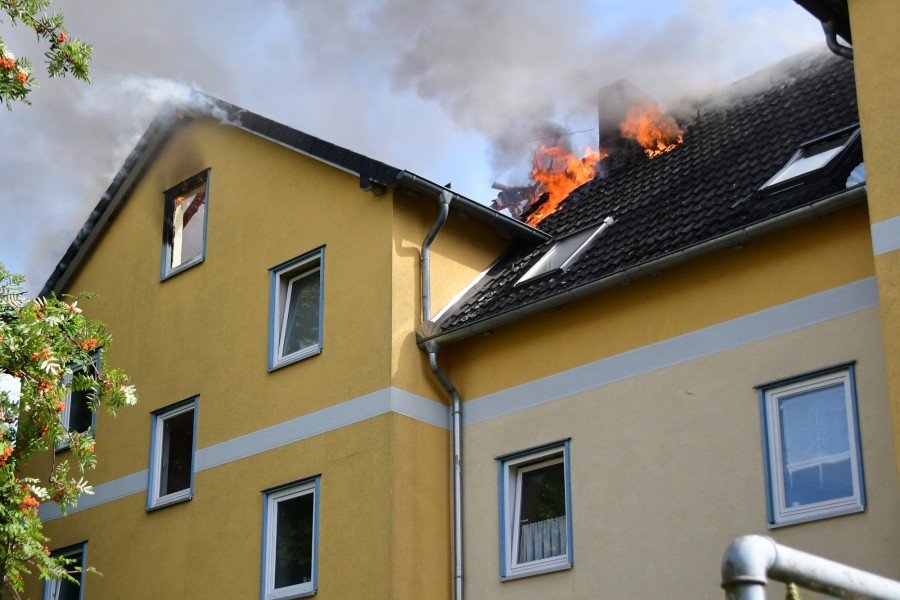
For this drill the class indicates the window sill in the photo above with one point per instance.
(169, 500)
(522, 572)
(289, 595)
(818, 515)
(296, 357)
(180, 268)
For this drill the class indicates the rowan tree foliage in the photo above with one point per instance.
(64, 54)
(47, 349)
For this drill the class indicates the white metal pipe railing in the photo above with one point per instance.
(752, 560)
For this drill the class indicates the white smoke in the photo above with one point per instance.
(450, 90)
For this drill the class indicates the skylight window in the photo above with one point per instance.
(813, 157)
(566, 251)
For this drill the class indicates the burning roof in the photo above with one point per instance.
(705, 188)
(625, 113)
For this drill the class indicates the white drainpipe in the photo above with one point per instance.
(751, 560)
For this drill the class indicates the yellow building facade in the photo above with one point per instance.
(357, 417)
(878, 86)
(709, 363)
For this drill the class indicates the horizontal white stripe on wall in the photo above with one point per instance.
(773, 321)
(730, 334)
(300, 428)
(886, 235)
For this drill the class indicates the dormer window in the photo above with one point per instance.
(566, 251)
(813, 158)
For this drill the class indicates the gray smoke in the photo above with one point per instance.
(455, 91)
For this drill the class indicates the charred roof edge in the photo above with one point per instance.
(821, 207)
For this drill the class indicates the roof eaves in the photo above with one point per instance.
(502, 223)
(368, 169)
(805, 212)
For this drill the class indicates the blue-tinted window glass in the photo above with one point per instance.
(816, 446)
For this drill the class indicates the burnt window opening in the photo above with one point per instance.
(184, 231)
(814, 159)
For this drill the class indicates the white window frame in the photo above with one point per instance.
(171, 238)
(808, 152)
(154, 499)
(780, 514)
(53, 587)
(282, 279)
(63, 443)
(271, 498)
(511, 467)
(558, 259)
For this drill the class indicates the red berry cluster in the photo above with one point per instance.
(89, 344)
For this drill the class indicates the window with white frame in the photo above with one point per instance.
(184, 232)
(811, 440)
(295, 322)
(290, 536)
(813, 157)
(566, 251)
(78, 414)
(535, 511)
(63, 589)
(172, 445)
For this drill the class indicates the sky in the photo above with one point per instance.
(455, 91)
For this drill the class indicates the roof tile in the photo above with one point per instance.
(704, 188)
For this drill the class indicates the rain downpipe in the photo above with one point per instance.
(444, 198)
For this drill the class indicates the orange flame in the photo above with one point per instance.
(558, 171)
(656, 131)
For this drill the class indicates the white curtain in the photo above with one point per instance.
(542, 539)
(814, 429)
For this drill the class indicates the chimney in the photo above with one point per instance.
(614, 100)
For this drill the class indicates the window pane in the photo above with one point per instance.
(177, 453)
(293, 541)
(80, 415)
(815, 446)
(542, 513)
(812, 158)
(806, 164)
(188, 215)
(301, 325)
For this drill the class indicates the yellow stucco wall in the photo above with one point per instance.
(205, 331)
(420, 552)
(463, 249)
(210, 547)
(874, 24)
(813, 257)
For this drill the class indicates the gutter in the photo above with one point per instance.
(465, 205)
(831, 40)
(429, 336)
